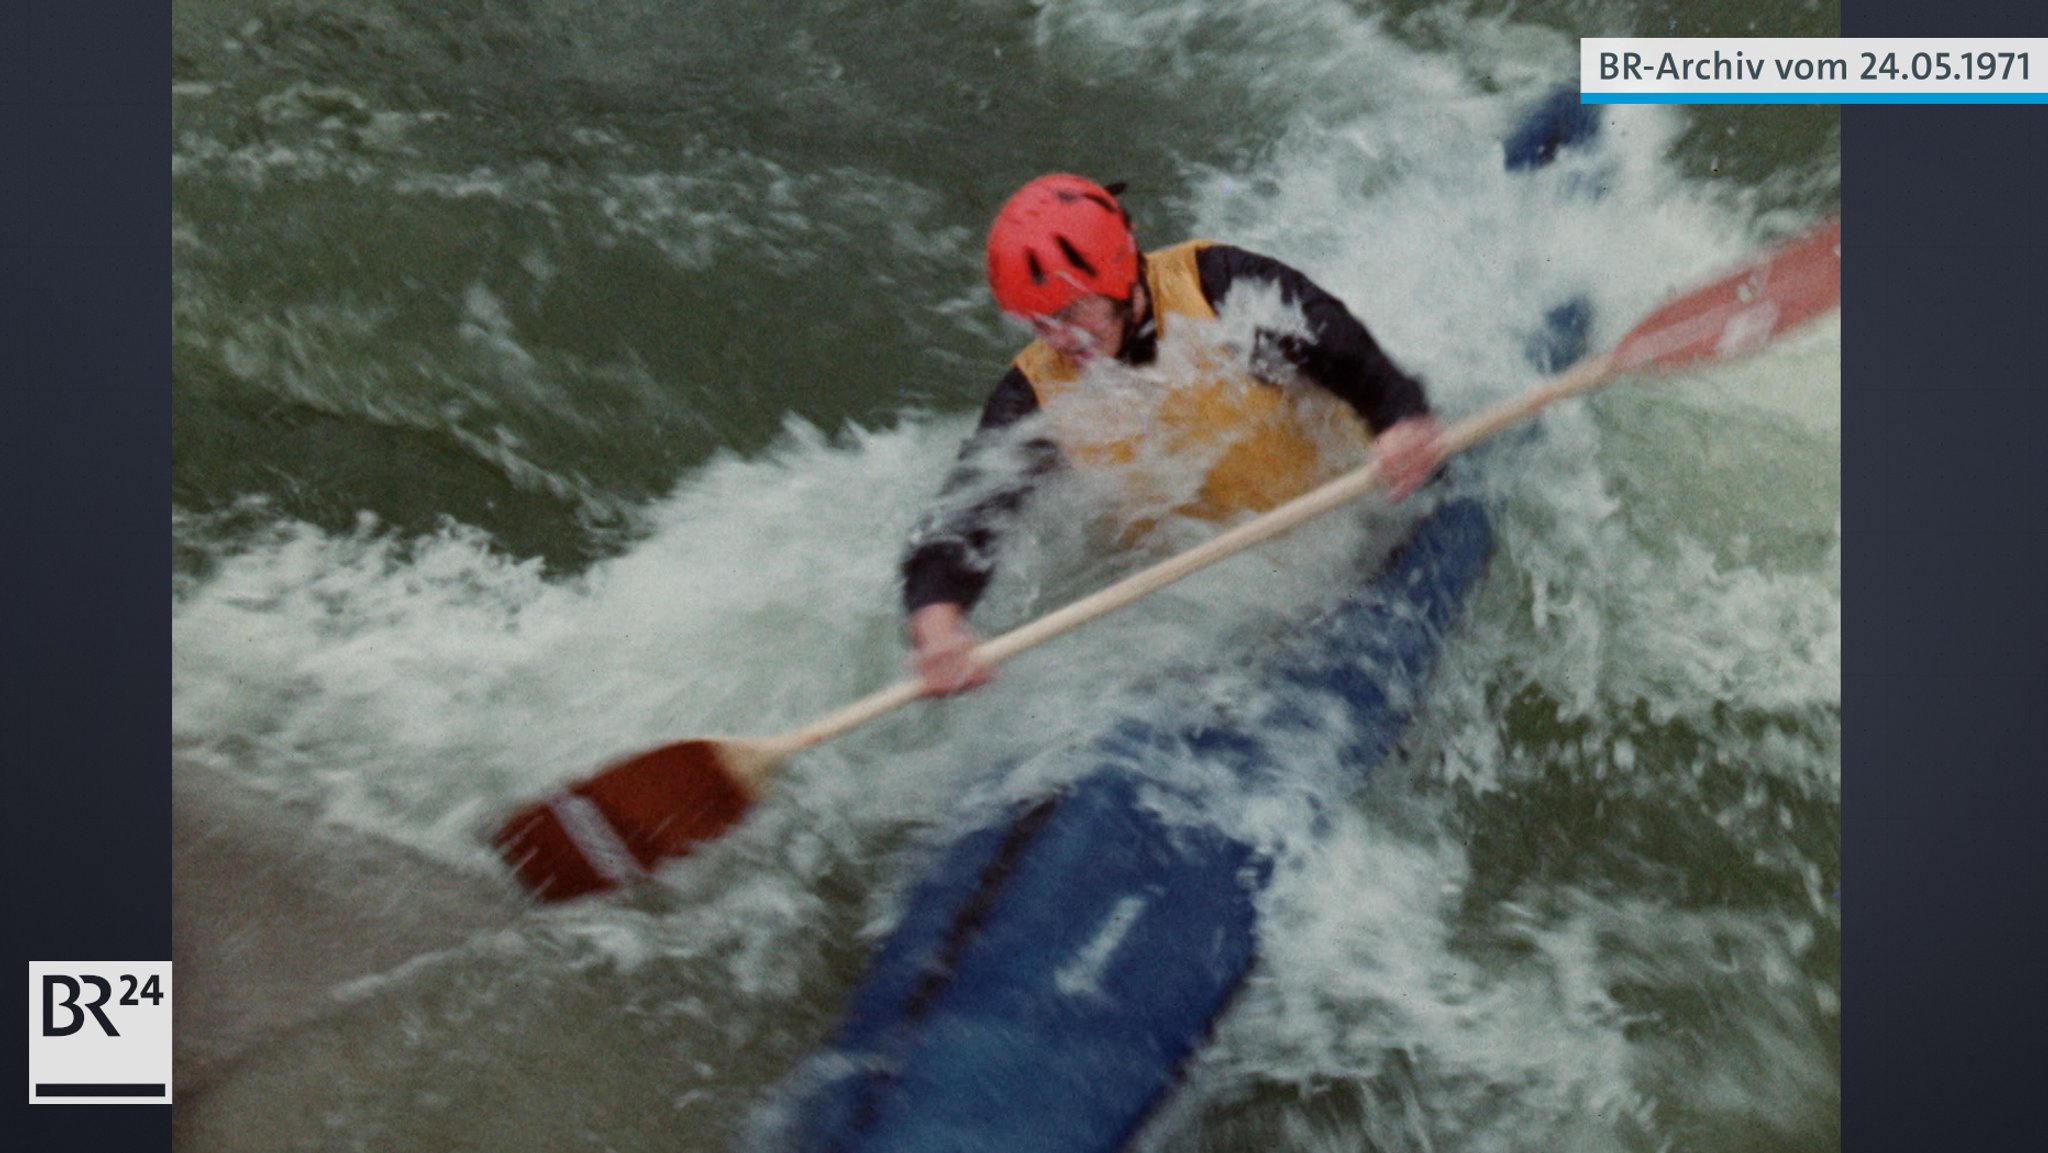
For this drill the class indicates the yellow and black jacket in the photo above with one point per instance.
(1262, 439)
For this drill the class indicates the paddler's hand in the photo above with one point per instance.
(1407, 453)
(943, 647)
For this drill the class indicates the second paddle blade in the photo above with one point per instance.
(1741, 312)
(615, 826)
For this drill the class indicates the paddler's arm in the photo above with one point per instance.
(1342, 356)
(952, 552)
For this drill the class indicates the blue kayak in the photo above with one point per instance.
(1052, 973)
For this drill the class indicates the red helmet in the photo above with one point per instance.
(1056, 240)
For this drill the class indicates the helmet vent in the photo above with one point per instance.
(1037, 269)
(1073, 255)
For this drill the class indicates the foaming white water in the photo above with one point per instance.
(444, 678)
(426, 683)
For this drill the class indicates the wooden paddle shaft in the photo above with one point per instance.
(1587, 375)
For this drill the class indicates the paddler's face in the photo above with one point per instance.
(1090, 327)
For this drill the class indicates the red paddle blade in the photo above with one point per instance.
(615, 826)
(1743, 311)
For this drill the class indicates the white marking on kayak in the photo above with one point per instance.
(594, 837)
(1082, 976)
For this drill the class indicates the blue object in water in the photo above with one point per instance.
(1561, 342)
(1560, 121)
(1556, 123)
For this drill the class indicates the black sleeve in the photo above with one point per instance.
(1339, 354)
(952, 551)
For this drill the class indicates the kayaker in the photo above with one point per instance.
(1094, 390)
